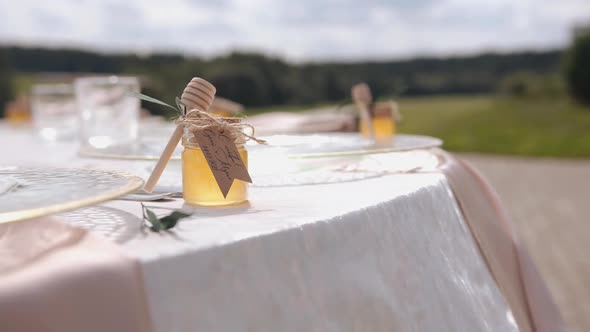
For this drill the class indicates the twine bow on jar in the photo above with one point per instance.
(197, 120)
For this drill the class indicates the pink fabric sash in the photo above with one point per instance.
(506, 257)
(58, 278)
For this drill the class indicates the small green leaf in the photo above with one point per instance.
(157, 224)
(154, 221)
(156, 227)
(151, 100)
(171, 220)
(151, 216)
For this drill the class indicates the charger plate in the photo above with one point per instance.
(40, 191)
(345, 144)
(293, 146)
(144, 149)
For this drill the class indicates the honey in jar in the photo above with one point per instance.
(198, 182)
(18, 111)
(383, 120)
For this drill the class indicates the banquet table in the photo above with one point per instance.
(382, 253)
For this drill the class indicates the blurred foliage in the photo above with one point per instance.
(532, 115)
(577, 66)
(522, 84)
(5, 81)
(256, 80)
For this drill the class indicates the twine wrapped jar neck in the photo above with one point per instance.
(380, 109)
(196, 120)
(386, 109)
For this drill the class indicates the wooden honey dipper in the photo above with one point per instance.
(198, 94)
(361, 94)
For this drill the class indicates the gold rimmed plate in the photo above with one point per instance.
(31, 192)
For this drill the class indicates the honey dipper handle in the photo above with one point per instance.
(366, 118)
(361, 94)
(164, 158)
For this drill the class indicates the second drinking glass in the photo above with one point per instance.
(109, 113)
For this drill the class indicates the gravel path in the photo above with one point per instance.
(549, 200)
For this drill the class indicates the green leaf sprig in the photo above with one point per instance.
(180, 106)
(165, 223)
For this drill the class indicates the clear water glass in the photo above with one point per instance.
(54, 111)
(109, 114)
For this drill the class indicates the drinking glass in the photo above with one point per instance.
(109, 114)
(53, 108)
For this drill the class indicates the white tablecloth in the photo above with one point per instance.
(390, 253)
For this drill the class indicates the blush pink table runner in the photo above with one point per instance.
(506, 257)
(58, 278)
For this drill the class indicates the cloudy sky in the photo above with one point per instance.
(299, 30)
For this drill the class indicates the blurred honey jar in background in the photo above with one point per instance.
(384, 116)
(18, 111)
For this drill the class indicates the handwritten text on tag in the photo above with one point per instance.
(223, 157)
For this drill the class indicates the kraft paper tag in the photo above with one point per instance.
(222, 156)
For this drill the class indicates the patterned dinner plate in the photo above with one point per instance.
(29, 192)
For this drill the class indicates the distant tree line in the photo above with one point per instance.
(259, 80)
(577, 65)
(6, 92)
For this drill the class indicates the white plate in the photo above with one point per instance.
(343, 144)
(143, 150)
(293, 146)
(41, 191)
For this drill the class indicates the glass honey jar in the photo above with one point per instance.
(383, 118)
(18, 112)
(198, 182)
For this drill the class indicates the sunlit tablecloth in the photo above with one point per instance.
(387, 253)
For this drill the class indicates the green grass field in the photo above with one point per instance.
(555, 127)
(531, 126)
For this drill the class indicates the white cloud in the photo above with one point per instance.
(298, 30)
